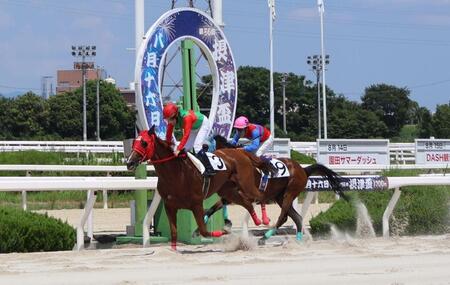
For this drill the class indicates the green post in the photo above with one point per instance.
(140, 197)
(189, 82)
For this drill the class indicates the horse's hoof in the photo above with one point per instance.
(266, 221)
(262, 241)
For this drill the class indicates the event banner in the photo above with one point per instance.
(349, 183)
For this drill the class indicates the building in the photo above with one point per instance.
(69, 80)
(129, 96)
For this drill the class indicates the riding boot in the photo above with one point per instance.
(272, 169)
(209, 170)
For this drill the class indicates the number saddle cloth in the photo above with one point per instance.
(282, 171)
(216, 162)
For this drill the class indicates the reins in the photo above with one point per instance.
(162, 160)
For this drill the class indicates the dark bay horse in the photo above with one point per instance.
(283, 190)
(180, 184)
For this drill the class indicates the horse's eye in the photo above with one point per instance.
(144, 144)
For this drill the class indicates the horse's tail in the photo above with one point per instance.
(257, 162)
(332, 176)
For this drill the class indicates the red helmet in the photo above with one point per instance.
(170, 109)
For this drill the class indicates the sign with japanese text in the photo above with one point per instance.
(176, 25)
(432, 151)
(353, 152)
(349, 183)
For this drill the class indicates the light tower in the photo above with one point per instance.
(84, 52)
(315, 61)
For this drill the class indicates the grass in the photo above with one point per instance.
(64, 200)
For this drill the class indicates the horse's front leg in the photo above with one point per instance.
(172, 216)
(199, 218)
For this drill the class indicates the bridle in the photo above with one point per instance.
(143, 151)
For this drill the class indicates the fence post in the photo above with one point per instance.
(90, 226)
(305, 206)
(149, 217)
(87, 210)
(24, 194)
(105, 194)
(140, 197)
(389, 210)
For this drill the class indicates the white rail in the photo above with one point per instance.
(64, 146)
(14, 184)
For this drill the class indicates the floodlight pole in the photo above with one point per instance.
(83, 68)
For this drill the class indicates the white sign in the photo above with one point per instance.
(281, 147)
(353, 151)
(432, 151)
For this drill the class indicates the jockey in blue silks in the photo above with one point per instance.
(260, 140)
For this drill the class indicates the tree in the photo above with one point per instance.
(441, 122)
(66, 117)
(5, 118)
(349, 120)
(390, 103)
(117, 121)
(425, 124)
(29, 117)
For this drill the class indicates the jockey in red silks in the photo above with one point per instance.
(195, 127)
(260, 140)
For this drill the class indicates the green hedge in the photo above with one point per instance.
(302, 158)
(420, 210)
(22, 231)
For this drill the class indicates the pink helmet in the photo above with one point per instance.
(241, 122)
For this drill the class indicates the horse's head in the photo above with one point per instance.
(143, 148)
(222, 142)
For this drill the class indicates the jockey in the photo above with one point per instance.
(195, 127)
(260, 140)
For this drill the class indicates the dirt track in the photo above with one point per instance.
(419, 260)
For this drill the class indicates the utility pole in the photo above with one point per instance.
(321, 7)
(284, 83)
(98, 106)
(271, 95)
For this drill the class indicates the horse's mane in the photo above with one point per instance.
(223, 141)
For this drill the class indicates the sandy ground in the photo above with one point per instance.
(116, 219)
(418, 260)
(343, 260)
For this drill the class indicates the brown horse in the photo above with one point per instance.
(180, 183)
(283, 190)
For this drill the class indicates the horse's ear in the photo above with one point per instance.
(152, 130)
(137, 128)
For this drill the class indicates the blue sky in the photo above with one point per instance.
(401, 42)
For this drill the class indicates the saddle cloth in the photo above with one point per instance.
(216, 162)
